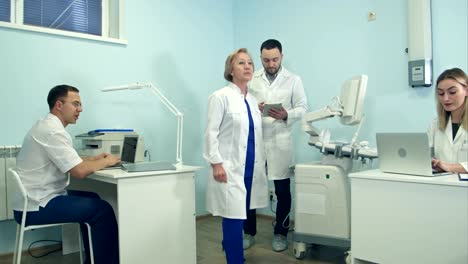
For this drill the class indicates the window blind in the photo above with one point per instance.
(5, 10)
(83, 16)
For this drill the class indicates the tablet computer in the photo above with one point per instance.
(267, 107)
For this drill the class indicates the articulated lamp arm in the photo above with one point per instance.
(180, 120)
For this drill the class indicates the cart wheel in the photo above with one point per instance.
(348, 257)
(300, 250)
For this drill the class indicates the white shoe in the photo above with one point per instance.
(248, 241)
(279, 243)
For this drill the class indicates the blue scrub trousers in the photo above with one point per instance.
(232, 233)
(232, 228)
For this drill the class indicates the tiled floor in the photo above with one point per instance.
(209, 249)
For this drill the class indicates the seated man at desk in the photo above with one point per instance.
(43, 164)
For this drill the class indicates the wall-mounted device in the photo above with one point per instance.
(419, 43)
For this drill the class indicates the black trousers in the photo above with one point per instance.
(283, 207)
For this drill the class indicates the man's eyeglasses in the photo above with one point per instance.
(76, 104)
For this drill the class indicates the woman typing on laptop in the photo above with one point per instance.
(448, 133)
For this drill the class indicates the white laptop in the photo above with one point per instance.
(129, 149)
(405, 153)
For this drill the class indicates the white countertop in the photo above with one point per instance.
(451, 179)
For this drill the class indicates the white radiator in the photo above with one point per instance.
(7, 160)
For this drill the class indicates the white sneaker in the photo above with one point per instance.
(248, 241)
(279, 243)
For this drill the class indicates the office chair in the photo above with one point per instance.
(18, 185)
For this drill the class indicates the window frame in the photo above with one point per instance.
(110, 25)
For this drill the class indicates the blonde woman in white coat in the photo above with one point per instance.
(234, 148)
(448, 133)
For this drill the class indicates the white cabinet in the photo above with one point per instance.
(155, 212)
(408, 219)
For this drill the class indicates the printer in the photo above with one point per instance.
(110, 141)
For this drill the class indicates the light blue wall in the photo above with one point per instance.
(181, 47)
(326, 42)
(178, 45)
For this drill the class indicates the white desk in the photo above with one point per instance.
(155, 212)
(408, 219)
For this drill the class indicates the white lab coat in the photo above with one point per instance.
(286, 89)
(446, 149)
(226, 137)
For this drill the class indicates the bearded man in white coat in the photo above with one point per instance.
(273, 85)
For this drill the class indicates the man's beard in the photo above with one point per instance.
(274, 69)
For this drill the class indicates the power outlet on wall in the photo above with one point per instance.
(272, 195)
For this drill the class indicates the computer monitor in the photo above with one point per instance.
(352, 99)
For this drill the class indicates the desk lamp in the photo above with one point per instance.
(166, 102)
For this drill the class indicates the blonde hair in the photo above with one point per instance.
(229, 63)
(460, 77)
